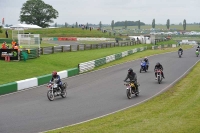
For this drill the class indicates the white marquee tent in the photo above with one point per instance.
(25, 26)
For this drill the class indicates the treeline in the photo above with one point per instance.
(128, 23)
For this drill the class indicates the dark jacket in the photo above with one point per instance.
(132, 76)
(146, 60)
(158, 67)
(57, 77)
(180, 49)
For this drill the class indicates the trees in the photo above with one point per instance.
(1, 29)
(129, 23)
(112, 24)
(168, 23)
(153, 23)
(184, 24)
(100, 25)
(38, 13)
(139, 24)
(125, 24)
(66, 24)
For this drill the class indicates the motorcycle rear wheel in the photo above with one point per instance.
(64, 93)
(50, 95)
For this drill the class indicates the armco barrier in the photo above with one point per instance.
(8, 88)
(100, 62)
(67, 39)
(36, 81)
(27, 83)
(110, 58)
(44, 79)
(55, 39)
(63, 74)
(125, 53)
(118, 56)
(86, 66)
(73, 72)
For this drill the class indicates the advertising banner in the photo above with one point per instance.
(12, 53)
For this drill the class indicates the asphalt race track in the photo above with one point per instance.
(89, 95)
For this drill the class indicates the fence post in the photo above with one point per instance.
(42, 50)
(52, 49)
(90, 46)
(70, 47)
(78, 47)
(84, 47)
(62, 48)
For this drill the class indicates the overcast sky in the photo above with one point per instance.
(94, 11)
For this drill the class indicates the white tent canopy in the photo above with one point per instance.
(25, 26)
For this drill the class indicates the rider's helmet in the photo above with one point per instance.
(54, 74)
(157, 63)
(130, 70)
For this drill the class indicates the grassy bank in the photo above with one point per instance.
(62, 32)
(175, 111)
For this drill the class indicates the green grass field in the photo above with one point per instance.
(175, 111)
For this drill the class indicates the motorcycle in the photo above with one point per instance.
(159, 75)
(197, 53)
(55, 91)
(179, 54)
(143, 66)
(129, 89)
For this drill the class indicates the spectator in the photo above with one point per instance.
(13, 44)
(3, 46)
(6, 33)
(16, 46)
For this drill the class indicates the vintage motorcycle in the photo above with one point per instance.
(143, 66)
(55, 91)
(131, 89)
(179, 54)
(159, 75)
(197, 52)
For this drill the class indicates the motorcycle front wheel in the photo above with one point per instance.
(50, 95)
(159, 79)
(128, 93)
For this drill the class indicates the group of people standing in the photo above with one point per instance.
(14, 45)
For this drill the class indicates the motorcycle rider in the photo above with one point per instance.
(56, 76)
(132, 77)
(180, 49)
(198, 47)
(160, 67)
(147, 62)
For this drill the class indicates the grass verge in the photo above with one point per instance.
(175, 111)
